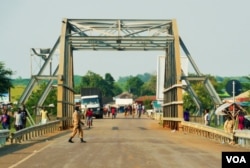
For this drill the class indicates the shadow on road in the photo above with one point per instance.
(12, 148)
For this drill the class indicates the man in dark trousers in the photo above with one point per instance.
(24, 115)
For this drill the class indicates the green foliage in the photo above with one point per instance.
(149, 87)
(144, 77)
(106, 85)
(117, 89)
(111, 88)
(139, 85)
(35, 96)
(21, 82)
(5, 79)
(16, 92)
(109, 85)
(147, 104)
(134, 85)
(202, 95)
(219, 84)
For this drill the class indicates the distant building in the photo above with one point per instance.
(141, 99)
(4, 99)
(123, 99)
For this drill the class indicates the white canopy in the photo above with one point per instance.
(219, 110)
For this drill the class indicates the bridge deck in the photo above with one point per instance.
(121, 142)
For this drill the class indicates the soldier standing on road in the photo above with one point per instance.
(77, 126)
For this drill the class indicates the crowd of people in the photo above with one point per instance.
(129, 110)
(19, 115)
(78, 116)
(20, 118)
(238, 122)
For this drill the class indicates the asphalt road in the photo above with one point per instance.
(118, 143)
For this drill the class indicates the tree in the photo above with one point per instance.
(149, 87)
(109, 79)
(109, 85)
(202, 94)
(144, 77)
(5, 80)
(134, 85)
(117, 90)
(106, 85)
(35, 96)
(91, 79)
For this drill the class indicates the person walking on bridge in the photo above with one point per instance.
(77, 126)
(18, 119)
(89, 116)
(44, 116)
(207, 117)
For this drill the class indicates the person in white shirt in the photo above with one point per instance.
(207, 117)
(18, 119)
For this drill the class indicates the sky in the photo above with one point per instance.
(216, 33)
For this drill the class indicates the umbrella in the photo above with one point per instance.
(219, 110)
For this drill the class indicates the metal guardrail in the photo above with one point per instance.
(33, 131)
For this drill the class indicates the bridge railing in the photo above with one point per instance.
(207, 132)
(240, 137)
(4, 134)
(33, 131)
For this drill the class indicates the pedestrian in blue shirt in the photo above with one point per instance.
(186, 115)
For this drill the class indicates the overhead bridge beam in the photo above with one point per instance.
(45, 77)
(194, 78)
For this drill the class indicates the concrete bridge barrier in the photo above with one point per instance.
(34, 131)
(4, 135)
(240, 137)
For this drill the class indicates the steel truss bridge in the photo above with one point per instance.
(120, 35)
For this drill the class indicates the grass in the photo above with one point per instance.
(16, 92)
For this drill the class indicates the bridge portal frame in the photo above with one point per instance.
(120, 35)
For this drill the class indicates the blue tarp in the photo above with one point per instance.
(157, 106)
(245, 104)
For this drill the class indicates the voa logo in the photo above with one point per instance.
(236, 159)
